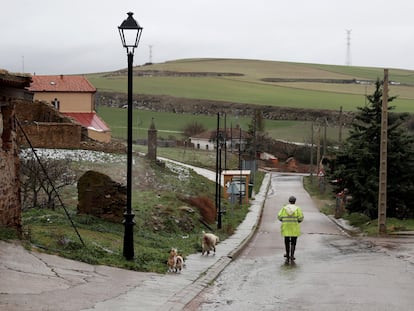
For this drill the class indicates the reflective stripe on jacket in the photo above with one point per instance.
(290, 215)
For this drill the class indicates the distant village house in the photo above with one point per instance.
(235, 138)
(73, 96)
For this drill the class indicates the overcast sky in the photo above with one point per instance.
(81, 36)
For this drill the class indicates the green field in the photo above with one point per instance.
(249, 87)
(170, 124)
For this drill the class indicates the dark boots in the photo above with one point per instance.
(287, 248)
(287, 254)
(292, 252)
(290, 246)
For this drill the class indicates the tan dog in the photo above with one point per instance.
(172, 260)
(208, 243)
(175, 261)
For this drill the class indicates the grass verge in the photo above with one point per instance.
(325, 202)
(162, 221)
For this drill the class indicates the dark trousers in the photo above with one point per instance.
(291, 240)
(290, 245)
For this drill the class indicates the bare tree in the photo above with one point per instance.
(193, 128)
(38, 182)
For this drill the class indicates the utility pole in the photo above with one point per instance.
(311, 155)
(348, 47)
(325, 126)
(340, 128)
(150, 54)
(318, 147)
(382, 193)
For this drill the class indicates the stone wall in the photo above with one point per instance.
(10, 207)
(100, 196)
(46, 127)
(50, 135)
(10, 212)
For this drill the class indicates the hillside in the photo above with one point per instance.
(256, 82)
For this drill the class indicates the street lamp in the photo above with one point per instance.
(130, 32)
(220, 141)
(219, 145)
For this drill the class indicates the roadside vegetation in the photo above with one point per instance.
(326, 203)
(164, 218)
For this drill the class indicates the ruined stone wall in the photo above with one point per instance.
(10, 207)
(51, 135)
(46, 127)
(10, 211)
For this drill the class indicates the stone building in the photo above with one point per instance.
(235, 138)
(11, 90)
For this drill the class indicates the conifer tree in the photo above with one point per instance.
(357, 163)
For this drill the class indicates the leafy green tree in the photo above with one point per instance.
(357, 163)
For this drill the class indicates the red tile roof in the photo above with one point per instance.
(89, 120)
(61, 83)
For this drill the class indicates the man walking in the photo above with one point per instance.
(291, 216)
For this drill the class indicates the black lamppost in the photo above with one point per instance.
(220, 140)
(219, 145)
(130, 32)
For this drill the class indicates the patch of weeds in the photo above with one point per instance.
(7, 233)
(328, 208)
(357, 219)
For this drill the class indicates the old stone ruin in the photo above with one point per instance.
(100, 196)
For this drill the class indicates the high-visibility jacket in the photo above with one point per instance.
(290, 215)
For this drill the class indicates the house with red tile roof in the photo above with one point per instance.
(74, 96)
(235, 138)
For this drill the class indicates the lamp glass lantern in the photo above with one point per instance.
(130, 33)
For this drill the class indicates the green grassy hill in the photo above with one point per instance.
(242, 81)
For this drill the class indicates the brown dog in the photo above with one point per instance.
(172, 260)
(175, 261)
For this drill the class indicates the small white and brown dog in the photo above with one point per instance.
(179, 264)
(175, 261)
(208, 243)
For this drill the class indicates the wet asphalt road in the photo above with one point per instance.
(332, 272)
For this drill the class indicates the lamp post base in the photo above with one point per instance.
(129, 236)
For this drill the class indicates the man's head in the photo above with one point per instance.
(292, 199)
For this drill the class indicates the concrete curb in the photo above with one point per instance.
(344, 226)
(192, 291)
(263, 194)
